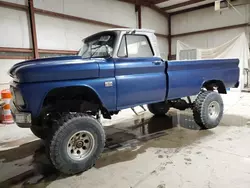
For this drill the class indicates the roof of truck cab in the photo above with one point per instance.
(132, 29)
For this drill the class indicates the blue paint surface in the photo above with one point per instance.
(187, 77)
(135, 81)
(139, 81)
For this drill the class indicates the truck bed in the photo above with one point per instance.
(185, 78)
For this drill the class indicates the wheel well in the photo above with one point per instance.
(212, 84)
(75, 98)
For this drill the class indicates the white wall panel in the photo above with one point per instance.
(78, 31)
(219, 37)
(153, 20)
(5, 66)
(163, 47)
(110, 11)
(60, 34)
(14, 28)
(50, 32)
(208, 40)
(51, 5)
(208, 18)
(21, 2)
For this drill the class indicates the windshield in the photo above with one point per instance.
(97, 46)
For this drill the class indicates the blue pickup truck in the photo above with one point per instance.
(61, 99)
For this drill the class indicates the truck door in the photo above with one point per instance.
(140, 76)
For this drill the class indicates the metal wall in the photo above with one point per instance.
(157, 22)
(14, 30)
(63, 34)
(206, 19)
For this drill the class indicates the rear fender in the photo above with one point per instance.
(210, 84)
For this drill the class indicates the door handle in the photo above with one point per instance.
(157, 62)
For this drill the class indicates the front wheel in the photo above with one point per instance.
(208, 109)
(76, 143)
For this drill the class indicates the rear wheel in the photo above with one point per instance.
(76, 144)
(208, 109)
(159, 109)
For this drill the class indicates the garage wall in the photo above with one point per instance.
(67, 35)
(20, 2)
(14, 33)
(209, 19)
(153, 20)
(5, 66)
(14, 30)
(208, 40)
(62, 34)
(109, 11)
(163, 47)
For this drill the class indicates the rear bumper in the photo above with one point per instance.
(22, 119)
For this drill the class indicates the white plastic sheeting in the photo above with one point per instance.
(234, 48)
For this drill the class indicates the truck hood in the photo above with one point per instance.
(56, 69)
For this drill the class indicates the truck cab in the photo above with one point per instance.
(134, 59)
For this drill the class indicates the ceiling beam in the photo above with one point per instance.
(191, 2)
(147, 3)
(158, 1)
(129, 1)
(192, 9)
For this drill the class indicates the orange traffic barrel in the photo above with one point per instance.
(6, 112)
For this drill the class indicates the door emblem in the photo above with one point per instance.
(108, 84)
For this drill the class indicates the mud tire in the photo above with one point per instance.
(57, 143)
(201, 109)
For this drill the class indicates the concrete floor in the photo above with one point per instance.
(147, 152)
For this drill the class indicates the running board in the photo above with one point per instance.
(144, 110)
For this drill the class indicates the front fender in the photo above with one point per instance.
(35, 93)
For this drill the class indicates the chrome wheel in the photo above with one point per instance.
(213, 109)
(80, 145)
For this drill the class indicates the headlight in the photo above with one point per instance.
(17, 97)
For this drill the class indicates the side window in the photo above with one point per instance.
(137, 46)
(122, 50)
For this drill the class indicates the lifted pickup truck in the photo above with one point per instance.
(61, 99)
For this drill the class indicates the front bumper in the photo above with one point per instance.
(22, 119)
